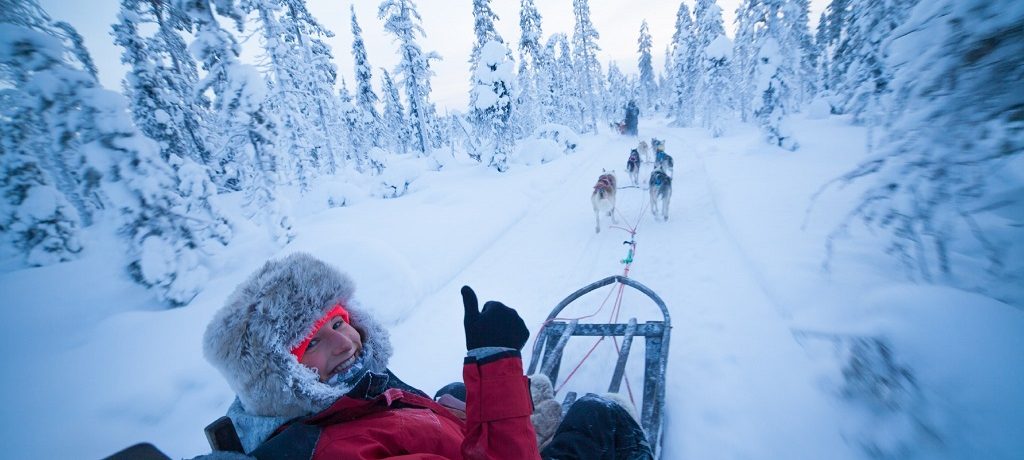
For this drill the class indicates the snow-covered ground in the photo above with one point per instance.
(771, 356)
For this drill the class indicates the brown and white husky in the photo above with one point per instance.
(603, 198)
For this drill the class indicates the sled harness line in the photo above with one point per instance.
(616, 308)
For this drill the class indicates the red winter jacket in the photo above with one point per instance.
(402, 424)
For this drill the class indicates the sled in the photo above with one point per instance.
(551, 341)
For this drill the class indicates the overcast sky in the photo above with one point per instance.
(449, 28)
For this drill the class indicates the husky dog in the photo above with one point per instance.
(657, 144)
(661, 192)
(603, 198)
(645, 151)
(663, 162)
(633, 167)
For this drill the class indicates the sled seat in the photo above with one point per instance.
(551, 342)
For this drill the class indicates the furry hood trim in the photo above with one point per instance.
(250, 338)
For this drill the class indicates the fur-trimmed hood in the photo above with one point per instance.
(250, 338)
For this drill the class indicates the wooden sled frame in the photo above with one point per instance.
(556, 334)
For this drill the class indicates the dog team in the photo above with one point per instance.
(659, 184)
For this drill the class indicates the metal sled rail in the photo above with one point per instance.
(555, 335)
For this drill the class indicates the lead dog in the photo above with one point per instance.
(603, 198)
(660, 186)
(633, 167)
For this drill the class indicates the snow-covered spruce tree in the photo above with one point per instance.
(588, 68)
(403, 21)
(946, 188)
(216, 51)
(684, 75)
(861, 88)
(774, 70)
(831, 41)
(744, 57)
(351, 124)
(246, 130)
(716, 101)
(618, 89)
(484, 32)
(664, 89)
(824, 58)
(121, 169)
(714, 98)
(161, 87)
(531, 77)
(302, 90)
(369, 133)
(398, 132)
(494, 88)
(796, 14)
(162, 79)
(648, 86)
(36, 219)
(494, 76)
(568, 102)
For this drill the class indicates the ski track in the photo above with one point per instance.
(739, 385)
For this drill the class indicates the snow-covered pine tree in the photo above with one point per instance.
(493, 98)
(588, 68)
(565, 98)
(484, 31)
(216, 51)
(946, 188)
(648, 86)
(245, 130)
(161, 87)
(866, 78)
(796, 14)
(774, 72)
(120, 169)
(714, 98)
(398, 132)
(36, 219)
(824, 59)
(618, 89)
(744, 57)
(366, 99)
(664, 89)
(403, 21)
(684, 74)
(716, 101)
(492, 115)
(302, 89)
(252, 134)
(352, 123)
(833, 36)
(531, 77)
(162, 79)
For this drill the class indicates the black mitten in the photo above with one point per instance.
(494, 326)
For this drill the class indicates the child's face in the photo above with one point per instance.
(333, 349)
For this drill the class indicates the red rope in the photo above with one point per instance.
(613, 318)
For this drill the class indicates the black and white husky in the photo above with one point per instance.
(633, 167)
(662, 160)
(661, 193)
(603, 198)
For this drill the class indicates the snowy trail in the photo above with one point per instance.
(735, 373)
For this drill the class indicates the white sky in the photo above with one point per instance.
(449, 28)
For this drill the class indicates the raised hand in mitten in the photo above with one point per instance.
(495, 326)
